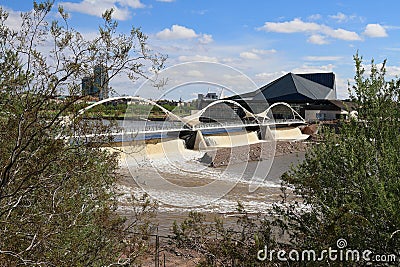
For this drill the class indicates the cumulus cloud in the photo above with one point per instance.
(340, 17)
(249, 55)
(315, 17)
(342, 34)
(97, 7)
(317, 39)
(14, 19)
(176, 32)
(255, 54)
(296, 25)
(206, 39)
(269, 76)
(317, 31)
(393, 71)
(311, 68)
(375, 31)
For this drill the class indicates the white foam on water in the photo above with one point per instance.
(231, 139)
(289, 133)
(172, 157)
(222, 205)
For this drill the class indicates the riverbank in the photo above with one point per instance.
(254, 152)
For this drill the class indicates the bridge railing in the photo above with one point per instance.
(207, 125)
(223, 124)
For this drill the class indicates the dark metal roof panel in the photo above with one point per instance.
(295, 87)
(311, 89)
(280, 87)
(325, 79)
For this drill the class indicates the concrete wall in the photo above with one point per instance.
(311, 115)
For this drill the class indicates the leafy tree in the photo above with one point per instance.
(57, 195)
(349, 183)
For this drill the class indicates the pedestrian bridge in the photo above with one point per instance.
(219, 116)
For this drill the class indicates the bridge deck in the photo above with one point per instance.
(202, 127)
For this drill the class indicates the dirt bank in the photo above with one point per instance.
(254, 152)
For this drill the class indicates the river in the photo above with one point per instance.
(238, 175)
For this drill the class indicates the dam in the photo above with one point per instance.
(195, 160)
(223, 123)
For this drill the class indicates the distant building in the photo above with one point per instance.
(96, 85)
(87, 86)
(204, 100)
(313, 95)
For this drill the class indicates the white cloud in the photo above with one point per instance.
(311, 68)
(206, 39)
(269, 76)
(339, 17)
(256, 54)
(97, 7)
(318, 31)
(391, 71)
(342, 87)
(263, 51)
(315, 17)
(130, 3)
(296, 25)
(342, 34)
(375, 31)
(249, 55)
(14, 20)
(176, 32)
(317, 39)
(323, 58)
(197, 58)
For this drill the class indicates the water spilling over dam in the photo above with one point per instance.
(192, 161)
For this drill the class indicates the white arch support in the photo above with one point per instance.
(264, 114)
(137, 98)
(194, 119)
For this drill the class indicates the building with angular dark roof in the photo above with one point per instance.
(295, 88)
(312, 95)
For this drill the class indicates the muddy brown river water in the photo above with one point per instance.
(190, 173)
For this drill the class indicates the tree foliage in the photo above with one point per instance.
(57, 196)
(349, 183)
(223, 243)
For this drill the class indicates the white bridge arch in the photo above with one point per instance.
(264, 114)
(192, 120)
(135, 98)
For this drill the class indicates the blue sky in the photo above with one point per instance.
(262, 39)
